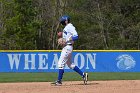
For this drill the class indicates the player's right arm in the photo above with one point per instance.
(74, 34)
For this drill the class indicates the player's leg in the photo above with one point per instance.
(60, 69)
(61, 63)
(76, 69)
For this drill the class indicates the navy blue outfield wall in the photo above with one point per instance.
(88, 61)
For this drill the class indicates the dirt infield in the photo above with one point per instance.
(118, 86)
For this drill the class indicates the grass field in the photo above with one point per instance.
(49, 77)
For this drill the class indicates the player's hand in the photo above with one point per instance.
(61, 41)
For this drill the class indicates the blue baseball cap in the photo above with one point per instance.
(64, 18)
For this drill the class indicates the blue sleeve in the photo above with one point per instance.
(74, 38)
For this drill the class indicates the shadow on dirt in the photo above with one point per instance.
(82, 84)
(86, 84)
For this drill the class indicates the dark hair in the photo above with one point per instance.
(68, 20)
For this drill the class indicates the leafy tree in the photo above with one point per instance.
(22, 26)
(101, 24)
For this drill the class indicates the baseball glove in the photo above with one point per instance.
(61, 41)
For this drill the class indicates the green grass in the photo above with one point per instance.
(49, 77)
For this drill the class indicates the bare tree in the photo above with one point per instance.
(50, 11)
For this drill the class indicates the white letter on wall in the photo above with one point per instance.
(14, 58)
(91, 59)
(55, 62)
(32, 61)
(82, 60)
(42, 61)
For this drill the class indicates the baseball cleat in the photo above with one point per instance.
(57, 83)
(85, 78)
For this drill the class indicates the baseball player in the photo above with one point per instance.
(67, 40)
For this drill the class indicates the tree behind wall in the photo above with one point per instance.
(101, 24)
(22, 26)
